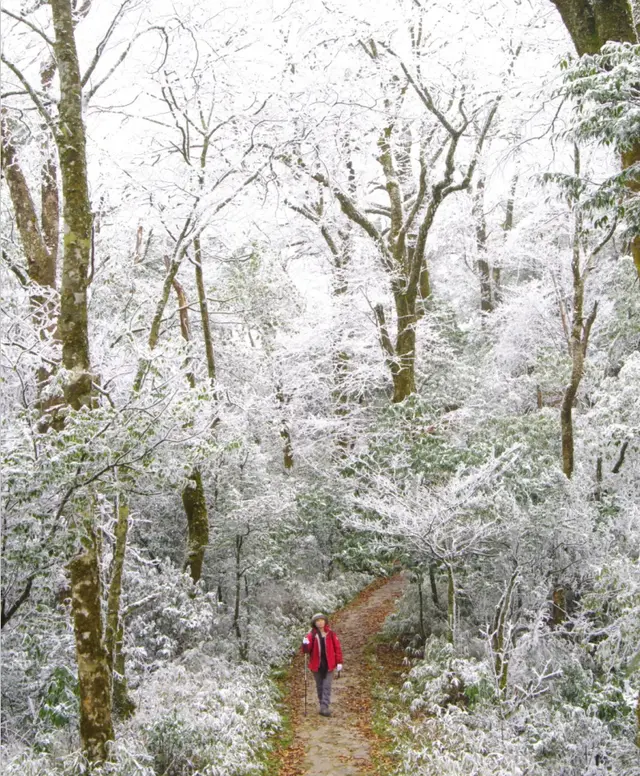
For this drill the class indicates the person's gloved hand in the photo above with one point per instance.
(305, 640)
(339, 667)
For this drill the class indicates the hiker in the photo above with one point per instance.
(325, 656)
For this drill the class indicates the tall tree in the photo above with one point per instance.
(591, 23)
(412, 202)
(94, 675)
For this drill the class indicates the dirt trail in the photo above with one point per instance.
(339, 746)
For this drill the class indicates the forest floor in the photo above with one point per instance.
(344, 744)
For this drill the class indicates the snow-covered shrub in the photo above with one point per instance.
(443, 678)
(206, 716)
(129, 759)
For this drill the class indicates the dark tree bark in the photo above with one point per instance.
(195, 507)
(7, 612)
(204, 313)
(243, 644)
(432, 583)
(154, 332)
(578, 343)
(40, 239)
(591, 23)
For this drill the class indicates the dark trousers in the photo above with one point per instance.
(323, 686)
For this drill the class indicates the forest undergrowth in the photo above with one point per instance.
(291, 292)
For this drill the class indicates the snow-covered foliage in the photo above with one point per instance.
(243, 317)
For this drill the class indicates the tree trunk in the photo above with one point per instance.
(238, 597)
(195, 507)
(185, 328)
(123, 706)
(591, 23)
(559, 606)
(451, 606)
(434, 587)
(71, 140)
(499, 643)
(566, 420)
(403, 367)
(40, 245)
(193, 497)
(578, 337)
(402, 246)
(94, 675)
(630, 158)
(423, 632)
(482, 263)
(41, 264)
(50, 216)
(154, 332)
(578, 349)
(204, 312)
(287, 452)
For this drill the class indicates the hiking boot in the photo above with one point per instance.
(325, 712)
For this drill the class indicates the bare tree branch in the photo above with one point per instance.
(122, 57)
(32, 93)
(102, 45)
(30, 25)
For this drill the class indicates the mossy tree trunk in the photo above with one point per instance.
(195, 507)
(77, 240)
(204, 312)
(94, 671)
(193, 495)
(94, 675)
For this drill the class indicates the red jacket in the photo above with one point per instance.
(332, 646)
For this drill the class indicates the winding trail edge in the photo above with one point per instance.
(340, 745)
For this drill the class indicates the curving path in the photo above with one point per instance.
(339, 746)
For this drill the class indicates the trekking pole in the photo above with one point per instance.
(306, 657)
